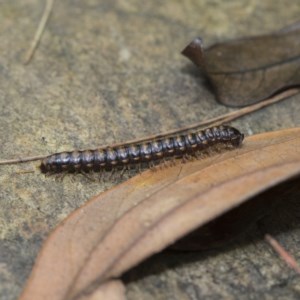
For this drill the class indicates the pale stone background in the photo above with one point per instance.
(107, 71)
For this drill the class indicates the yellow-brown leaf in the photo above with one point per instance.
(117, 229)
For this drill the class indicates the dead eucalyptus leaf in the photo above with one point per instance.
(248, 70)
(116, 230)
(112, 290)
(225, 229)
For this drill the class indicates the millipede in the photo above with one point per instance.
(152, 151)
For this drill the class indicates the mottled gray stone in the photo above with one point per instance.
(107, 71)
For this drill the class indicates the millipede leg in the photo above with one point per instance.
(184, 159)
(100, 175)
(59, 176)
(87, 176)
(161, 165)
(152, 166)
(199, 155)
(173, 161)
(190, 157)
(112, 172)
(124, 169)
(165, 163)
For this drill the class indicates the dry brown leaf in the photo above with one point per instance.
(112, 290)
(247, 70)
(121, 227)
(226, 228)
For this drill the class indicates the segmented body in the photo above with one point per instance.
(150, 151)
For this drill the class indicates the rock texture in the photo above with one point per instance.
(108, 71)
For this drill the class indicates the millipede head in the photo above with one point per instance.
(45, 166)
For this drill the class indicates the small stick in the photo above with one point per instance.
(249, 109)
(22, 160)
(285, 256)
(214, 121)
(217, 120)
(39, 31)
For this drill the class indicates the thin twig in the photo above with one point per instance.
(39, 31)
(226, 118)
(285, 256)
(21, 160)
(249, 109)
(223, 119)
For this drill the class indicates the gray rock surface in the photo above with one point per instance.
(108, 71)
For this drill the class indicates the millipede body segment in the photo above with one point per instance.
(150, 151)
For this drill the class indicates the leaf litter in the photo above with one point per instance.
(116, 230)
(248, 70)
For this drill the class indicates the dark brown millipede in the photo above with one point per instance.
(175, 146)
